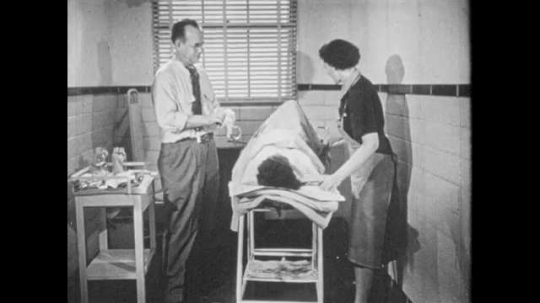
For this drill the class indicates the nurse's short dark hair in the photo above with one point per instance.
(179, 29)
(340, 54)
(277, 171)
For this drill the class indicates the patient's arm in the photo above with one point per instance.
(357, 159)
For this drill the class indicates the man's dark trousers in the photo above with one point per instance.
(190, 176)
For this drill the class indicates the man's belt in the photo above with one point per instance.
(200, 139)
(206, 137)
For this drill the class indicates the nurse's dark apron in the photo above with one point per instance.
(371, 186)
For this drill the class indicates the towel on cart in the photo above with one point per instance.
(288, 133)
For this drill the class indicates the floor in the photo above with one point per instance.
(213, 269)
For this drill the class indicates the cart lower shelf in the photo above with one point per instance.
(301, 271)
(116, 264)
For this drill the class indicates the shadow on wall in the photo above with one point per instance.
(396, 104)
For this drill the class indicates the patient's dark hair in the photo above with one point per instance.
(277, 171)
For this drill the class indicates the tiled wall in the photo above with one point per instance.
(428, 133)
(90, 124)
(431, 135)
(93, 119)
(90, 121)
(417, 42)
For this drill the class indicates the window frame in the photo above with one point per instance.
(283, 80)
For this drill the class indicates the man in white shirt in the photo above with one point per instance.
(185, 104)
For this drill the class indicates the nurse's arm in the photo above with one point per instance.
(370, 143)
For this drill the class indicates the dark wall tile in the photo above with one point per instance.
(464, 90)
(99, 90)
(399, 89)
(140, 89)
(421, 89)
(461, 90)
(444, 90)
(304, 87)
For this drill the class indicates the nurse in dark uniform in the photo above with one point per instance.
(371, 162)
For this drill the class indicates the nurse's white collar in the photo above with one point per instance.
(350, 81)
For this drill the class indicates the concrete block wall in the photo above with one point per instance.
(91, 122)
(407, 43)
(431, 135)
(151, 132)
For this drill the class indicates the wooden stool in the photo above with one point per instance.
(312, 271)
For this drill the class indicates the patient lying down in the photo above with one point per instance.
(283, 162)
(284, 152)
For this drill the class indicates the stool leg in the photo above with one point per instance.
(239, 271)
(139, 250)
(103, 234)
(314, 259)
(320, 258)
(152, 222)
(251, 235)
(81, 245)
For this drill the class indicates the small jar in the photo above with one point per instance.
(118, 159)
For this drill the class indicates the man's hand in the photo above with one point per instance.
(211, 120)
(219, 113)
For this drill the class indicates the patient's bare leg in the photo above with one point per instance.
(364, 278)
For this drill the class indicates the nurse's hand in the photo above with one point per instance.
(330, 183)
(332, 134)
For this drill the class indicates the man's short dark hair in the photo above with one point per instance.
(179, 29)
(277, 171)
(340, 54)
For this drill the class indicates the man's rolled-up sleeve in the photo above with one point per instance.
(168, 114)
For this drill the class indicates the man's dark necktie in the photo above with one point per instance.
(196, 107)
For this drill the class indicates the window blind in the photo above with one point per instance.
(249, 45)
